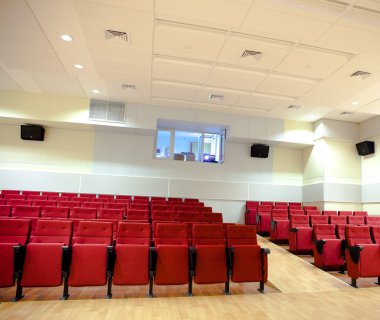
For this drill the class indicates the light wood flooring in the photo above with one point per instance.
(296, 290)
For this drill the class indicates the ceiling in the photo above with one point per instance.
(178, 53)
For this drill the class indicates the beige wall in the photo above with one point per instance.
(287, 166)
(313, 163)
(63, 150)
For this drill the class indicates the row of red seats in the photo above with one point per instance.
(92, 261)
(360, 250)
(27, 194)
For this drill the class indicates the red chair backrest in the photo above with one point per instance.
(355, 220)
(360, 213)
(44, 203)
(106, 196)
(31, 193)
(299, 221)
(94, 232)
(345, 213)
(341, 231)
(313, 213)
(251, 205)
(4, 192)
(27, 212)
(189, 216)
(279, 214)
(319, 220)
(375, 232)
(158, 215)
(324, 231)
(264, 208)
(89, 204)
(296, 212)
(139, 206)
(133, 233)
(357, 235)
(123, 197)
(14, 231)
(83, 213)
(114, 214)
(241, 235)
(136, 214)
(50, 193)
(12, 196)
(57, 212)
(70, 204)
(170, 233)
(338, 219)
(208, 234)
(53, 231)
(212, 217)
(5, 210)
(330, 213)
(36, 197)
(69, 194)
(160, 207)
(372, 220)
(310, 208)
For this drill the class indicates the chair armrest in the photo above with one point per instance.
(110, 260)
(66, 260)
(192, 260)
(18, 259)
(152, 260)
(355, 253)
(319, 244)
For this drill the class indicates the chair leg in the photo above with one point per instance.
(150, 294)
(190, 287)
(378, 281)
(227, 288)
(353, 283)
(341, 269)
(109, 287)
(19, 294)
(261, 288)
(65, 294)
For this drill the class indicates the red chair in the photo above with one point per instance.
(296, 212)
(69, 204)
(319, 220)
(4, 192)
(92, 254)
(57, 212)
(251, 205)
(263, 219)
(250, 216)
(139, 206)
(16, 202)
(141, 198)
(160, 207)
(158, 215)
(338, 220)
(45, 256)
(248, 262)
(132, 254)
(313, 213)
(5, 211)
(96, 205)
(50, 193)
(123, 197)
(69, 194)
(111, 215)
(106, 196)
(329, 213)
(90, 196)
(305, 208)
(212, 217)
(300, 235)
(360, 213)
(13, 232)
(345, 213)
(189, 216)
(79, 214)
(362, 255)
(170, 256)
(209, 260)
(295, 204)
(356, 220)
(375, 234)
(12, 196)
(43, 204)
(136, 214)
(340, 230)
(327, 249)
(101, 200)
(266, 203)
(29, 212)
(30, 193)
(279, 226)
(36, 197)
(372, 220)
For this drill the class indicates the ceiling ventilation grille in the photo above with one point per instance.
(361, 74)
(117, 36)
(294, 107)
(108, 111)
(128, 87)
(215, 97)
(251, 53)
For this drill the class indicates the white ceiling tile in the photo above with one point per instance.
(180, 70)
(188, 42)
(286, 86)
(257, 101)
(6, 83)
(273, 52)
(215, 12)
(172, 90)
(127, 66)
(170, 103)
(238, 79)
(313, 63)
(356, 117)
(146, 5)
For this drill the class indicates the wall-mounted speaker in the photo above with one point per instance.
(32, 132)
(365, 148)
(259, 151)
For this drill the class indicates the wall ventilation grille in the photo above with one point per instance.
(108, 111)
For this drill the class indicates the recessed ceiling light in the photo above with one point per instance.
(78, 66)
(354, 103)
(66, 37)
(96, 91)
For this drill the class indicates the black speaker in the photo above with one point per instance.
(259, 151)
(365, 148)
(32, 132)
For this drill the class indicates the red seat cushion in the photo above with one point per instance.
(88, 265)
(247, 264)
(172, 265)
(43, 265)
(211, 266)
(131, 265)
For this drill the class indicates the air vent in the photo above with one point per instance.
(346, 113)
(108, 111)
(215, 97)
(128, 87)
(294, 107)
(361, 74)
(116, 36)
(251, 53)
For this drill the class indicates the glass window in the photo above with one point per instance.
(187, 146)
(163, 144)
(213, 147)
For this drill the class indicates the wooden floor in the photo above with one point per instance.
(297, 290)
